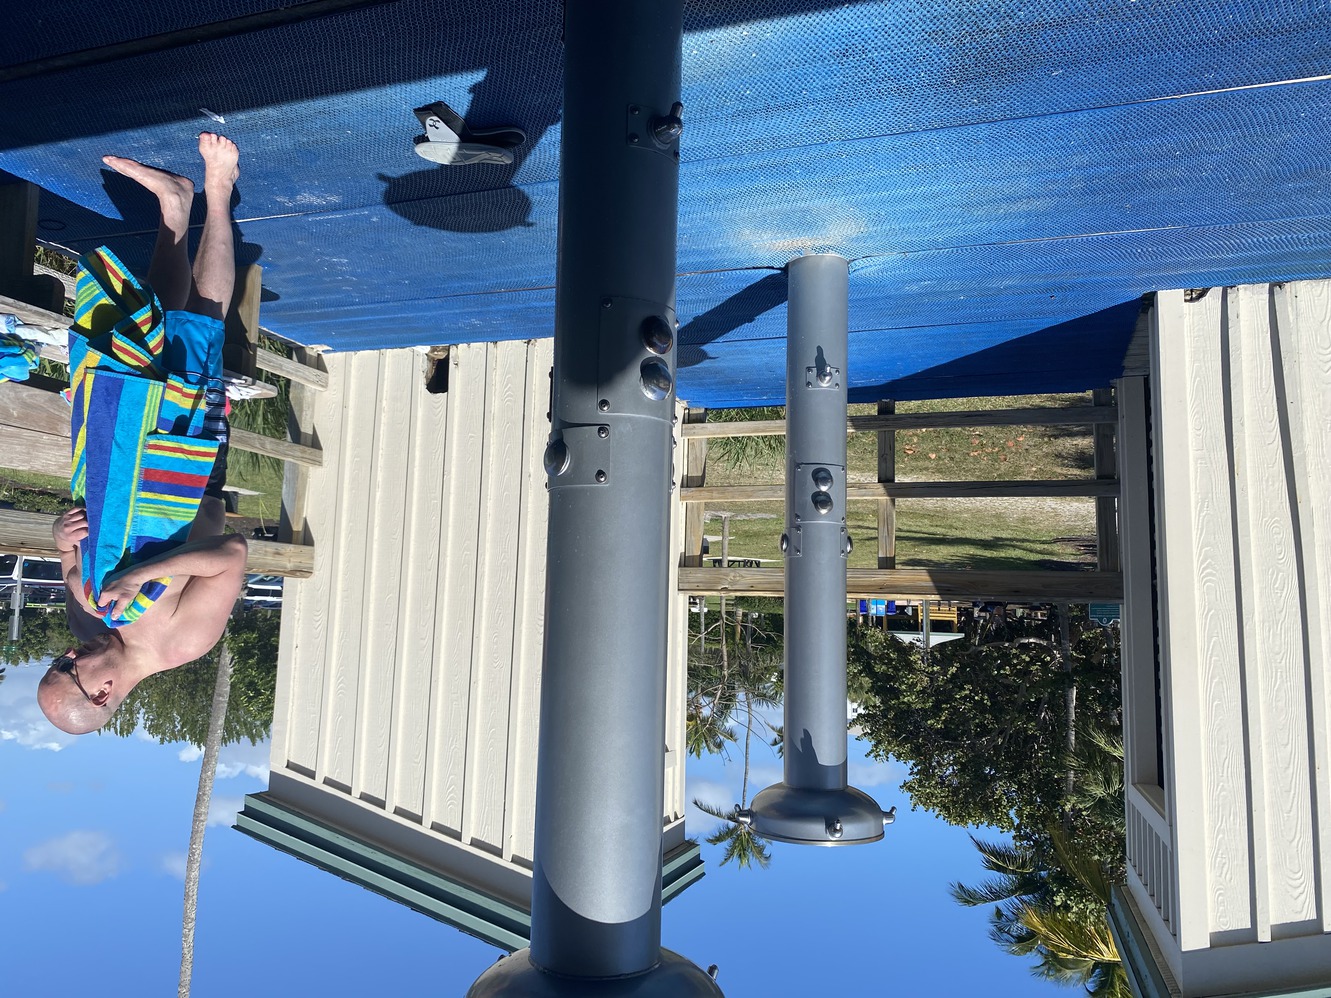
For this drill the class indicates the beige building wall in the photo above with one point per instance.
(409, 665)
(1226, 470)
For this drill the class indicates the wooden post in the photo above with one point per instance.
(695, 475)
(887, 472)
(18, 242)
(1106, 507)
(296, 477)
(242, 323)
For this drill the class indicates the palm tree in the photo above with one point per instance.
(743, 845)
(1072, 943)
(202, 801)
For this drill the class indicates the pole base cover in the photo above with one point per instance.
(516, 976)
(815, 817)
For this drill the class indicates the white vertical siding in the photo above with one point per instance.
(1240, 380)
(409, 669)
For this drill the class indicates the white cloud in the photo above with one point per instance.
(223, 810)
(709, 792)
(173, 864)
(21, 720)
(240, 759)
(876, 774)
(243, 759)
(143, 736)
(82, 858)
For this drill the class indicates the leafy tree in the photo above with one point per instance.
(984, 729)
(1016, 726)
(42, 636)
(175, 705)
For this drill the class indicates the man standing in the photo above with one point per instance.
(151, 576)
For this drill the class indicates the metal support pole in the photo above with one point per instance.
(16, 607)
(814, 805)
(596, 878)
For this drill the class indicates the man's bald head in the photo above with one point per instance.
(68, 709)
(83, 687)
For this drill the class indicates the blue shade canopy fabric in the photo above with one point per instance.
(1008, 179)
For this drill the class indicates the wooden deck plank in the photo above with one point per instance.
(1080, 415)
(300, 371)
(30, 534)
(1063, 489)
(1031, 586)
(30, 408)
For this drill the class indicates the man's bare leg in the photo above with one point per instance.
(215, 262)
(169, 272)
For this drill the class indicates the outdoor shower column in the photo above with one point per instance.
(813, 805)
(596, 879)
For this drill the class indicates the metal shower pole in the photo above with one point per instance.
(596, 881)
(813, 804)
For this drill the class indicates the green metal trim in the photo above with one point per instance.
(491, 919)
(488, 918)
(681, 869)
(1144, 976)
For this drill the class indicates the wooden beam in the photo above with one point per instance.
(1106, 507)
(928, 583)
(887, 507)
(27, 407)
(47, 445)
(1058, 489)
(32, 451)
(301, 373)
(18, 243)
(695, 474)
(296, 477)
(242, 322)
(1076, 415)
(32, 315)
(283, 450)
(30, 534)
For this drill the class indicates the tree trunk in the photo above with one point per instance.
(748, 734)
(202, 800)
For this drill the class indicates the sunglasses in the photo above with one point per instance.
(68, 665)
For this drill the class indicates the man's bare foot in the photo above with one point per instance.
(221, 161)
(176, 193)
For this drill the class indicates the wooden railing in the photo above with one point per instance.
(1105, 585)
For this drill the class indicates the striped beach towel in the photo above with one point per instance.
(141, 454)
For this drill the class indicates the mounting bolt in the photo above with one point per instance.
(603, 405)
(607, 302)
(603, 432)
(600, 477)
(666, 128)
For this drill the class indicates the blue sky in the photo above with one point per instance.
(93, 833)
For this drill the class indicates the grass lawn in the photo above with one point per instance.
(993, 533)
